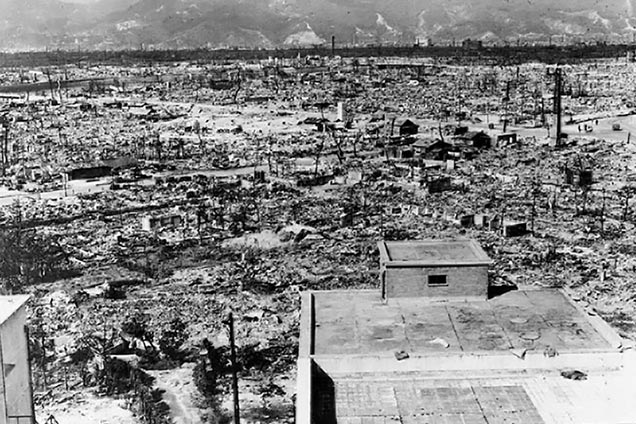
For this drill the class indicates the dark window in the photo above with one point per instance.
(437, 280)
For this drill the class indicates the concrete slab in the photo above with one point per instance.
(359, 323)
(606, 397)
(419, 402)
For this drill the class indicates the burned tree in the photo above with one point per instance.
(28, 257)
(626, 193)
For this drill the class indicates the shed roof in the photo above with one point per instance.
(426, 143)
(405, 121)
(472, 135)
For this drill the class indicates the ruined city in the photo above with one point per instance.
(438, 232)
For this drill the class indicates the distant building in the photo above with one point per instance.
(407, 127)
(89, 172)
(433, 268)
(477, 139)
(16, 394)
(578, 172)
(472, 44)
(151, 223)
(514, 228)
(506, 139)
(430, 148)
(438, 184)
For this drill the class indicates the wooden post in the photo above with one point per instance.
(534, 203)
(603, 213)
(237, 416)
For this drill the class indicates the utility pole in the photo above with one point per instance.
(48, 74)
(603, 213)
(5, 125)
(558, 77)
(542, 112)
(237, 416)
(534, 202)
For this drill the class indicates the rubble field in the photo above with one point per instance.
(139, 215)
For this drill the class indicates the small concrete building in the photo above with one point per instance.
(16, 395)
(433, 268)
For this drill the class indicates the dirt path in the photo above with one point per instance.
(178, 386)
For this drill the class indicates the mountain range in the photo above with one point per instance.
(124, 24)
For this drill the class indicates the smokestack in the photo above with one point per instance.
(333, 45)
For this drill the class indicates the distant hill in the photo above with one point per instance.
(117, 24)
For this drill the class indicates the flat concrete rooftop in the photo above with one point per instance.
(605, 397)
(433, 251)
(358, 323)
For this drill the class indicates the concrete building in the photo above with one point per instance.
(16, 395)
(527, 357)
(433, 268)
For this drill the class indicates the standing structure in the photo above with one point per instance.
(16, 394)
(341, 112)
(433, 268)
(558, 77)
(521, 357)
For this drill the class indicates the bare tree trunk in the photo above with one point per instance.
(603, 213)
(318, 153)
(338, 141)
